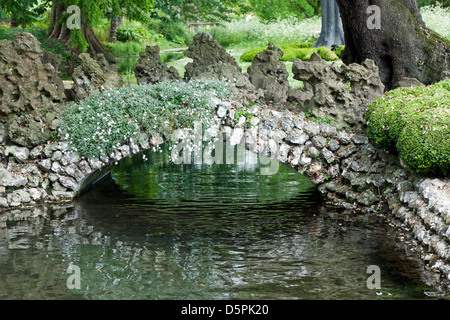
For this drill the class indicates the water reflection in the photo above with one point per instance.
(165, 231)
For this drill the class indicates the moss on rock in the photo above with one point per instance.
(416, 124)
(292, 51)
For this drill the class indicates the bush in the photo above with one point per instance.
(173, 32)
(133, 32)
(416, 124)
(103, 121)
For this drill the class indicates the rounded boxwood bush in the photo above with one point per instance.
(425, 147)
(416, 124)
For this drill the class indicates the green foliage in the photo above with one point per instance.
(441, 3)
(104, 121)
(78, 40)
(133, 32)
(309, 116)
(273, 10)
(255, 33)
(416, 124)
(24, 11)
(192, 10)
(127, 54)
(294, 51)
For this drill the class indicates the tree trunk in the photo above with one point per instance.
(115, 23)
(58, 30)
(14, 23)
(401, 46)
(332, 34)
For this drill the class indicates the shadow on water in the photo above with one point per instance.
(156, 230)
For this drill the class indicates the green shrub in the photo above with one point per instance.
(416, 124)
(103, 121)
(133, 32)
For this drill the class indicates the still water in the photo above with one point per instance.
(158, 230)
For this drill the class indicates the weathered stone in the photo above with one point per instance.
(35, 194)
(312, 129)
(328, 130)
(30, 91)
(367, 198)
(344, 138)
(342, 92)
(21, 154)
(57, 168)
(45, 165)
(376, 179)
(319, 141)
(287, 125)
(313, 152)
(57, 156)
(268, 73)
(361, 164)
(346, 151)
(74, 172)
(333, 145)
(328, 155)
(94, 74)
(68, 182)
(150, 68)
(212, 61)
(297, 137)
(407, 83)
(36, 152)
(358, 140)
(69, 158)
(18, 197)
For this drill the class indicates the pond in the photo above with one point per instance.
(158, 230)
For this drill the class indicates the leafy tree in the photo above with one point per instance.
(91, 13)
(442, 3)
(23, 12)
(269, 10)
(193, 10)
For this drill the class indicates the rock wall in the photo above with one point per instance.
(94, 73)
(270, 74)
(150, 69)
(30, 91)
(338, 91)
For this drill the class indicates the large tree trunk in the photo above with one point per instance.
(58, 30)
(332, 34)
(401, 47)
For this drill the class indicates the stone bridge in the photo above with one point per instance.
(346, 168)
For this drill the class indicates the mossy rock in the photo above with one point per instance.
(339, 50)
(416, 124)
(294, 51)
